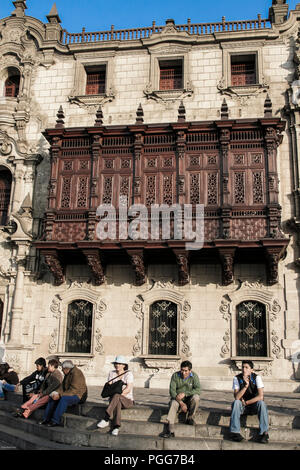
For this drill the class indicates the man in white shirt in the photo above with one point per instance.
(248, 389)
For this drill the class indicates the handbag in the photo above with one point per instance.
(111, 389)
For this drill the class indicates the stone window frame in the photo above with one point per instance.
(78, 95)
(4, 75)
(250, 292)
(168, 52)
(59, 307)
(142, 310)
(225, 85)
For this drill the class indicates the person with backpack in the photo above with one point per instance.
(248, 391)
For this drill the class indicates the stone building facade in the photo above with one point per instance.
(197, 114)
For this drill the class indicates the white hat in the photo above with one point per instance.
(120, 360)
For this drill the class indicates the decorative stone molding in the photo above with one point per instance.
(59, 309)
(255, 291)
(166, 96)
(261, 365)
(185, 349)
(53, 343)
(137, 348)
(162, 362)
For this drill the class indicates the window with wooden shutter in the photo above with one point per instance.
(11, 87)
(95, 81)
(251, 329)
(171, 76)
(243, 70)
(5, 187)
(163, 328)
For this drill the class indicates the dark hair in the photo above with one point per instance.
(40, 362)
(187, 364)
(4, 368)
(246, 361)
(53, 362)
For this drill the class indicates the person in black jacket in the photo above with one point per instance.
(33, 382)
(8, 380)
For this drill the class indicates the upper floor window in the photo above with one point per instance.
(95, 80)
(12, 83)
(5, 187)
(171, 74)
(243, 70)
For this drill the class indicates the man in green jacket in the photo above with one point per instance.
(185, 394)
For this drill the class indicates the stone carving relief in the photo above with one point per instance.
(168, 96)
(242, 94)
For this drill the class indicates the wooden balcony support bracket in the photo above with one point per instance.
(182, 259)
(226, 255)
(54, 264)
(94, 261)
(137, 262)
(273, 254)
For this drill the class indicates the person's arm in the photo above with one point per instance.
(54, 383)
(129, 385)
(28, 379)
(258, 397)
(238, 394)
(173, 387)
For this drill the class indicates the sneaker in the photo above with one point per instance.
(167, 434)
(18, 413)
(263, 438)
(115, 432)
(102, 424)
(235, 436)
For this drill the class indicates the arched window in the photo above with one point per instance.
(12, 83)
(251, 329)
(79, 326)
(163, 328)
(5, 187)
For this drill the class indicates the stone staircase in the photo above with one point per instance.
(141, 427)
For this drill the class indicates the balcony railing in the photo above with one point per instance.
(199, 29)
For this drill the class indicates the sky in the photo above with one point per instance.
(99, 15)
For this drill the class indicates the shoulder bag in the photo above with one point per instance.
(111, 389)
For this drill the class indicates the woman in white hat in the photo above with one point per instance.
(118, 401)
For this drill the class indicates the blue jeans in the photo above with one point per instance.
(259, 408)
(7, 387)
(56, 408)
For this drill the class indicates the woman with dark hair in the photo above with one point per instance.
(32, 383)
(8, 380)
(118, 401)
(52, 382)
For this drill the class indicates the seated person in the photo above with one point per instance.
(8, 380)
(185, 394)
(118, 401)
(249, 399)
(32, 383)
(52, 382)
(72, 391)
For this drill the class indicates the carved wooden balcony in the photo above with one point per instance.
(229, 166)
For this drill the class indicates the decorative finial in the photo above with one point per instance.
(268, 107)
(224, 110)
(60, 119)
(20, 6)
(139, 115)
(99, 117)
(53, 16)
(181, 113)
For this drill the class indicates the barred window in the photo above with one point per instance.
(163, 328)
(251, 329)
(5, 188)
(171, 75)
(79, 326)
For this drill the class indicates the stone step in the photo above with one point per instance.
(29, 435)
(158, 414)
